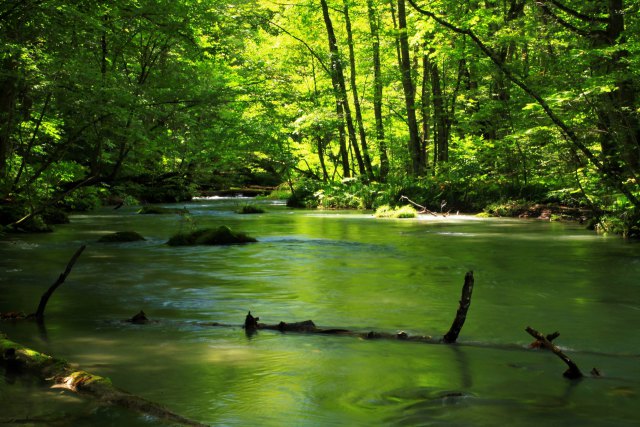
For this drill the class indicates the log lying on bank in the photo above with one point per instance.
(59, 374)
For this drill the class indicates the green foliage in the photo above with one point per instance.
(509, 208)
(158, 100)
(386, 211)
(303, 194)
(222, 235)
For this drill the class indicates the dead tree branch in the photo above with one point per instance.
(573, 372)
(461, 314)
(39, 315)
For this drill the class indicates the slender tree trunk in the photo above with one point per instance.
(323, 166)
(356, 100)
(377, 89)
(441, 137)
(344, 151)
(392, 8)
(339, 86)
(425, 110)
(8, 95)
(409, 91)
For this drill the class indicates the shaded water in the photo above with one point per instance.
(341, 269)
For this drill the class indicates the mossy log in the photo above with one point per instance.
(60, 374)
(121, 237)
(222, 235)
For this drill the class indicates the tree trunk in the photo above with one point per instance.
(441, 134)
(9, 93)
(356, 100)
(339, 86)
(425, 110)
(377, 89)
(409, 92)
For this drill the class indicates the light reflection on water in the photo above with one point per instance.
(341, 270)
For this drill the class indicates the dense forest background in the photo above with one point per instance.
(482, 104)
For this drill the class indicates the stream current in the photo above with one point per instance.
(342, 270)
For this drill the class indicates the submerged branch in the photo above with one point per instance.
(573, 372)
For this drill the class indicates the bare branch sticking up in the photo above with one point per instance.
(461, 314)
(39, 315)
(573, 372)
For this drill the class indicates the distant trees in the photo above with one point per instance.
(470, 101)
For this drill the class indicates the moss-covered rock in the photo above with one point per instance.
(158, 210)
(121, 237)
(222, 235)
(250, 209)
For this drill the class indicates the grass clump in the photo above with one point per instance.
(222, 235)
(121, 237)
(386, 211)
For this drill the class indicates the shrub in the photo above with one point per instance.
(386, 211)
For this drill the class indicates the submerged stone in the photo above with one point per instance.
(222, 235)
(250, 209)
(121, 236)
(158, 210)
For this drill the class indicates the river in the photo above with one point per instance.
(340, 269)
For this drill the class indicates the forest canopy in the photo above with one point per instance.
(344, 103)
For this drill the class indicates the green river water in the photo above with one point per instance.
(340, 269)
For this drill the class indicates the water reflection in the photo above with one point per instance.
(340, 270)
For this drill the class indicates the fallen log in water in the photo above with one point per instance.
(59, 374)
(251, 324)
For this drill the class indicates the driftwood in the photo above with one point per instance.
(424, 209)
(60, 374)
(39, 314)
(573, 372)
(251, 324)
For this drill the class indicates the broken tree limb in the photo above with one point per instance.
(461, 314)
(424, 209)
(39, 315)
(60, 374)
(573, 372)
